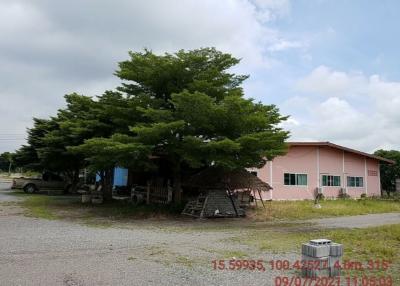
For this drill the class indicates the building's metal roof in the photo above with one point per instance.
(332, 145)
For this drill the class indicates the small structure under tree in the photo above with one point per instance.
(223, 193)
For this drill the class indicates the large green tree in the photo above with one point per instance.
(389, 173)
(195, 112)
(186, 108)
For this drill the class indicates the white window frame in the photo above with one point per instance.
(329, 175)
(347, 181)
(295, 179)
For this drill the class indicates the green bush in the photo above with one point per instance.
(343, 195)
(396, 196)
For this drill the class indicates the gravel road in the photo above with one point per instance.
(44, 252)
(54, 252)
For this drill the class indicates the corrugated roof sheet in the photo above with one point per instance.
(332, 145)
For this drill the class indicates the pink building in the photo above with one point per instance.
(309, 166)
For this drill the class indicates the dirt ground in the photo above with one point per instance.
(55, 252)
(60, 252)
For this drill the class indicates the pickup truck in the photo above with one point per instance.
(48, 181)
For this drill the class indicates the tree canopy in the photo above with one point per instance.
(6, 160)
(187, 108)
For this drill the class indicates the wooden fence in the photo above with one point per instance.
(158, 192)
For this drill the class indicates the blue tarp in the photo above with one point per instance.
(120, 177)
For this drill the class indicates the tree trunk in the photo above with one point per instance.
(177, 187)
(107, 184)
(74, 182)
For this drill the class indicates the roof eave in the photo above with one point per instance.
(329, 144)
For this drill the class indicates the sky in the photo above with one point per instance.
(331, 65)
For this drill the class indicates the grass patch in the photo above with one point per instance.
(38, 206)
(281, 210)
(380, 242)
(361, 245)
(9, 204)
(97, 223)
(185, 261)
(233, 253)
(103, 215)
(125, 209)
(157, 251)
(275, 212)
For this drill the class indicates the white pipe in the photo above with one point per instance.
(366, 175)
(270, 176)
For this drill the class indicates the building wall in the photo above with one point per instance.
(355, 166)
(373, 177)
(332, 161)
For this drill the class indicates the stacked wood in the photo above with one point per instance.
(223, 188)
(216, 203)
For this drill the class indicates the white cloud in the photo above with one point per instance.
(49, 49)
(270, 10)
(327, 82)
(386, 96)
(282, 45)
(347, 108)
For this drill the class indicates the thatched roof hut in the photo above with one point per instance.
(220, 186)
(219, 178)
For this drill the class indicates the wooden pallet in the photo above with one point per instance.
(216, 203)
(195, 208)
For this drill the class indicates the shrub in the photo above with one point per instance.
(343, 195)
(385, 195)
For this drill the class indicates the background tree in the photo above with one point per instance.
(389, 173)
(27, 156)
(3, 163)
(49, 139)
(110, 114)
(6, 162)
